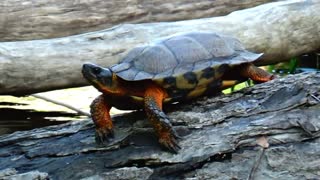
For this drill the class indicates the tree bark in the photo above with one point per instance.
(29, 19)
(280, 30)
(268, 131)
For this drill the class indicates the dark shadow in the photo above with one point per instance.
(12, 120)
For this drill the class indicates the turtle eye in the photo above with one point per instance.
(96, 70)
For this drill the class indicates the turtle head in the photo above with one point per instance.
(101, 78)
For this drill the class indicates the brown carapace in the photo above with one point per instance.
(176, 68)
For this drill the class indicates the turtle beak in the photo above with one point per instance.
(89, 71)
(97, 75)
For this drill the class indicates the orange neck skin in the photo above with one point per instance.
(122, 87)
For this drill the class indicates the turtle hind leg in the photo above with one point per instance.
(100, 113)
(153, 106)
(255, 73)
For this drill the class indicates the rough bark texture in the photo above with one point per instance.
(29, 19)
(269, 131)
(280, 30)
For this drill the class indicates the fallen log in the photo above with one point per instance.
(280, 30)
(30, 20)
(268, 131)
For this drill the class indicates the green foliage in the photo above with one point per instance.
(284, 68)
(293, 65)
(237, 87)
(304, 63)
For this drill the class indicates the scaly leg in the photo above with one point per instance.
(255, 73)
(100, 110)
(153, 106)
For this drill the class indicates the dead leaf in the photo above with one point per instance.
(263, 142)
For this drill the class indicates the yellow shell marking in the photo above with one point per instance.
(182, 83)
(203, 81)
(196, 92)
(228, 83)
(201, 86)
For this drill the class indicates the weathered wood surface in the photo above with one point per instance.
(29, 19)
(280, 30)
(220, 137)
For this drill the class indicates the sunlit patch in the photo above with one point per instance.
(235, 88)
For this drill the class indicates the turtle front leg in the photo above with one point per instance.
(100, 114)
(255, 73)
(153, 106)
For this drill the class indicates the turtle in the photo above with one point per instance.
(173, 69)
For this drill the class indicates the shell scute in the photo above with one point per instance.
(206, 55)
(130, 73)
(155, 59)
(120, 67)
(187, 50)
(179, 70)
(217, 46)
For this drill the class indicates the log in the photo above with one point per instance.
(268, 131)
(280, 30)
(30, 20)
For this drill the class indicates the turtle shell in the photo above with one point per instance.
(184, 61)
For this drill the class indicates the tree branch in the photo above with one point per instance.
(29, 19)
(219, 140)
(280, 30)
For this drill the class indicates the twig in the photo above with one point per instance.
(256, 165)
(62, 104)
(263, 142)
(315, 97)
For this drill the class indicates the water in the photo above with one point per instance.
(12, 120)
(26, 113)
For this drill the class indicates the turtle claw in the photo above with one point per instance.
(169, 141)
(104, 135)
